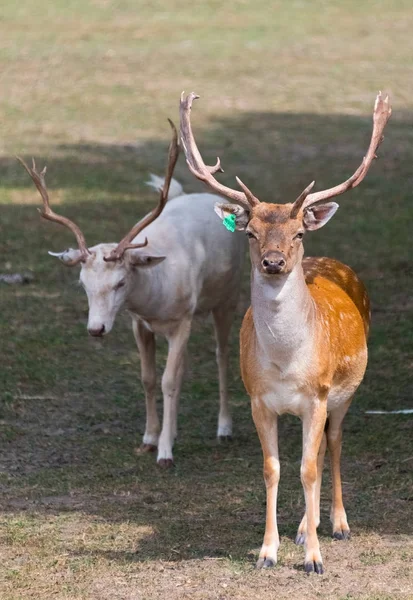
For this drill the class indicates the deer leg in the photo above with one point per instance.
(266, 424)
(302, 530)
(145, 340)
(341, 530)
(222, 324)
(171, 387)
(313, 428)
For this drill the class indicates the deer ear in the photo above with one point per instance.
(242, 216)
(318, 215)
(138, 259)
(69, 257)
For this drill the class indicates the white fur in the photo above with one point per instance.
(281, 313)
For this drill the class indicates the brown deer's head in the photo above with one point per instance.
(276, 230)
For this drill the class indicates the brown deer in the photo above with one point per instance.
(304, 338)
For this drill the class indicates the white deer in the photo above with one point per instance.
(304, 338)
(176, 262)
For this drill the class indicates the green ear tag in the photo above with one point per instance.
(229, 222)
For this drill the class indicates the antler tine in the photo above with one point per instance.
(173, 155)
(49, 214)
(125, 243)
(198, 167)
(300, 200)
(381, 114)
(253, 201)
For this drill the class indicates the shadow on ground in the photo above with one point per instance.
(71, 450)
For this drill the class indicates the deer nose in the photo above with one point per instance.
(96, 331)
(273, 262)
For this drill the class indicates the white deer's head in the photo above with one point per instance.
(106, 269)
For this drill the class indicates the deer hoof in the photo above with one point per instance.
(223, 439)
(166, 463)
(314, 567)
(265, 563)
(144, 448)
(343, 534)
(300, 539)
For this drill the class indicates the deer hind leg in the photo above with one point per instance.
(302, 530)
(313, 429)
(341, 530)
(266, 424)
(171, 388)
(145, 340)
(222, 323)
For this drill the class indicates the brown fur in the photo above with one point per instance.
(323, 273)
(338, 292)
(344, 309)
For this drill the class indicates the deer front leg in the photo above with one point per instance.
(313, 428)
(171, 387)
(145, 340)
(266, 424)
(302, 530)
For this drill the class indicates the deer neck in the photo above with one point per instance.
(146, 291)
(283, 312)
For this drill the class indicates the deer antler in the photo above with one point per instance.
(125, 243)
(50, 215)
(300, 200)
(381, 114)
(199, 168)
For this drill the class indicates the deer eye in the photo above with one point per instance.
(119, 285)
(251, 235)
(299, 235)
